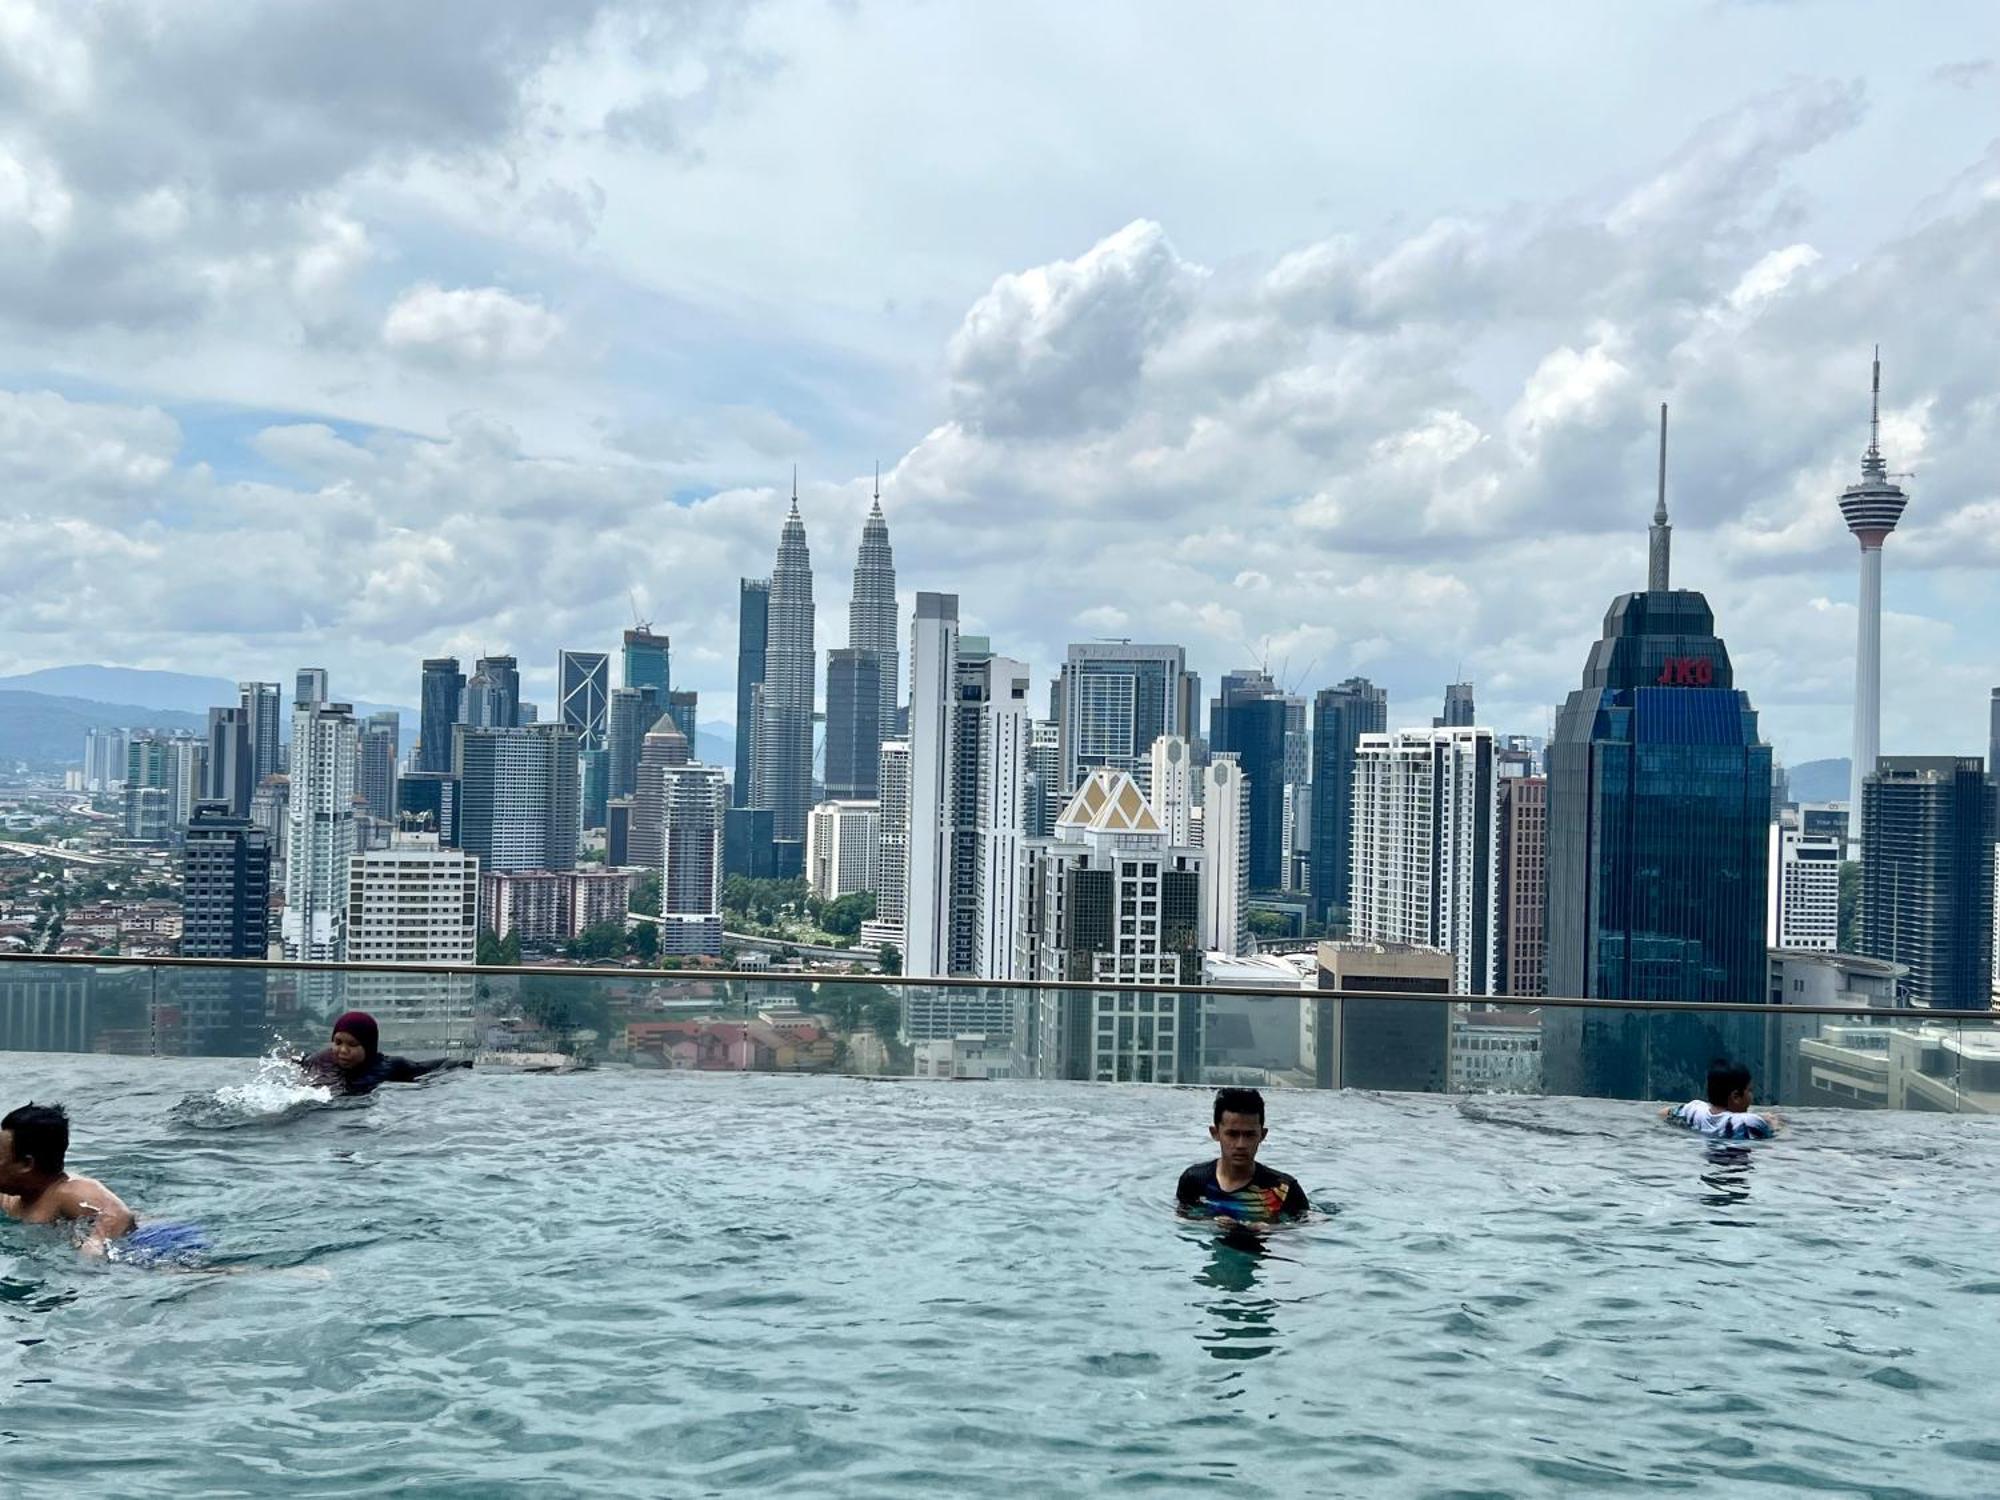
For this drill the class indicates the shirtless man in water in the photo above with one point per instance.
(34, 1188)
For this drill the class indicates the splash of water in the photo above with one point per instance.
(278, 1090)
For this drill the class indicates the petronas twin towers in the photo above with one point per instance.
(781, 753)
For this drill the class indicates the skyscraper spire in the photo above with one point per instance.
(1661, 540)
(1872, 465)
(871, 610)
(1871, 507)
(795, 489)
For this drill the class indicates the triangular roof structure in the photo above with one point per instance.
(1109, 802)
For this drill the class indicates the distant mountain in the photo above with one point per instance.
(44, 729)
(122, 687)
(128, 685)
(1820, 780)
(715, 742)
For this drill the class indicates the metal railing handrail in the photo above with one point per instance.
(910, 981)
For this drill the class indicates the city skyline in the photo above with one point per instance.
(1334, 399)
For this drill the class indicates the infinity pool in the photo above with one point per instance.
(646, 1284)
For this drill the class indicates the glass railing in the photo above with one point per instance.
(560, 1018)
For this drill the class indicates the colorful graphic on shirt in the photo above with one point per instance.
(1266, 1198)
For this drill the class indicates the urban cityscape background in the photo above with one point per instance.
(1580, 590)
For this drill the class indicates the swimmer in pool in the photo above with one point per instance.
(34, 1188)
(1236, 1186)
(1725, 1114)
(354, 1064)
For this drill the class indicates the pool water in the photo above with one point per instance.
(670, 1284)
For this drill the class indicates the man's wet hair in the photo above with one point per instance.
(1238, 1102)
(41, 1134)
(1724, 1079)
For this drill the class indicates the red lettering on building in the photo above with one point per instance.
(1686, 671)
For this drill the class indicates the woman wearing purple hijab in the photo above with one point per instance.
(354, 1064)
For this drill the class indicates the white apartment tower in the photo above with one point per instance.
(842, 845)
(892, 848)
(1173, 788)
(697, 798)
(1803, 895)
(1426, 847)
(320, 840)
(932, 750)
(413, 903)
(1005, 726)
(1225, 868)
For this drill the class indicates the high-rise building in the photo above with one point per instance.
(442, 706)
(583, 687)
(1045, 800)
(226, 886)
(1173, 789)
(187, 778)
(1400, 1045)
(375, 765)
(683, 707)
(309, 686)
(1524, 874)
(1459, 712)
(853, 724)
(148, 779)
(1927, 824)
(648, 661)
(753, 630)
(871, 617)
(1427, 848)
(321, 839)
(414, 902)
(427, 802)
(594, 772)
(997, 725)
(1804, 903)
(1110, 900)
(104, 752)
(1341, 717)
(932, 746)
(1659, 798)
(225, 913)
(892, 847)
(551, 906)
(747, 846)
(665, 746)
(1113, 700)
(632, 715)
(1250, 720)
(843, 841)
(231, 761)
(262, 704)
(691, 868)
(493, 695)
(1871, 507)
(1225, 845)
(518, 798)
(783, 755)
(270, 810)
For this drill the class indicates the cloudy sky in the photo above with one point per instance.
(348, 333)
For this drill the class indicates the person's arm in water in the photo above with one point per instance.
(87, 1200)
(409, 1070)
(1296, 1203)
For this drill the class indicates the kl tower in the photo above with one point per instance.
(1871, 509)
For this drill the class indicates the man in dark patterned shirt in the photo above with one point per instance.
(1236, 1185)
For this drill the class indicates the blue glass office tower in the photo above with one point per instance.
(1250, 720)
(1341, 715)
(752, 640)
(1659, 807)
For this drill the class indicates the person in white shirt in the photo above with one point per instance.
(1726, 1113)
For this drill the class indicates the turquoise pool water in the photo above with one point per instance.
(646, 1284)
